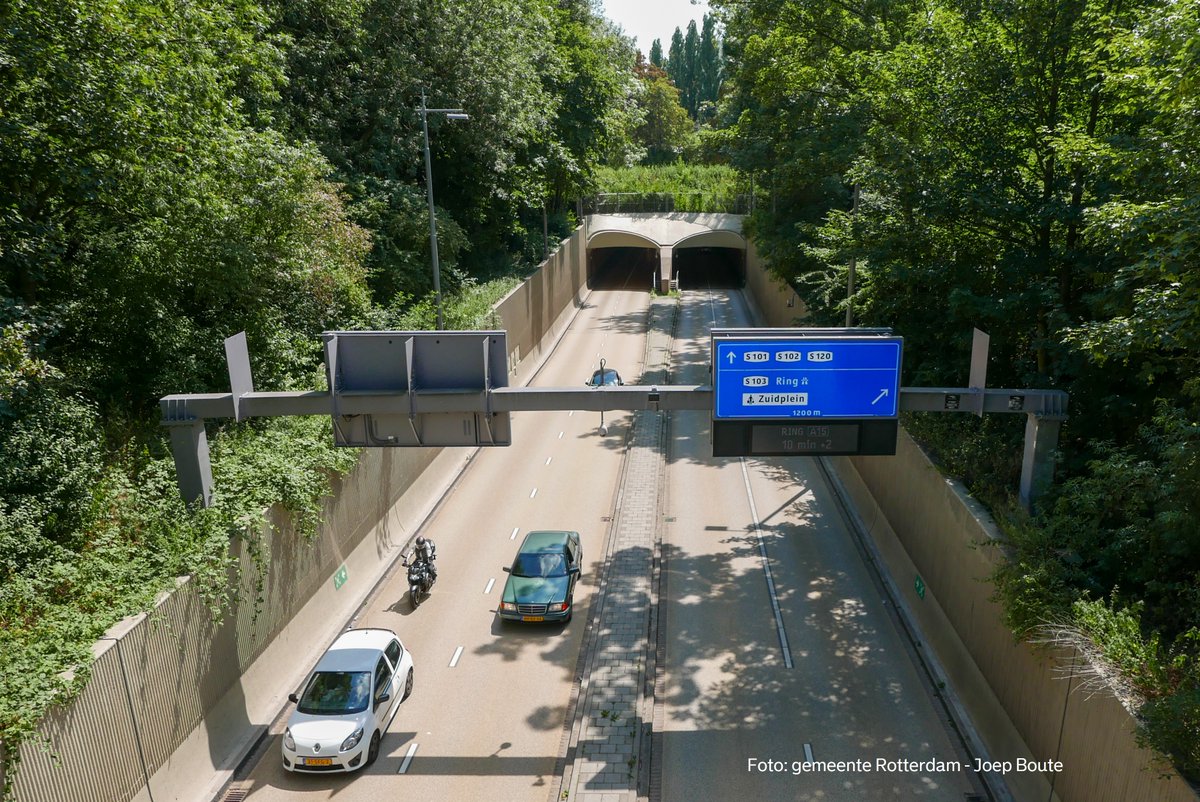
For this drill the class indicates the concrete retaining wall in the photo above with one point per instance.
(780, 304)
(539, 310)
(1023, 702)
(200, 692)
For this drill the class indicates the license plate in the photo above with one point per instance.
(532, 618)
(318, 761)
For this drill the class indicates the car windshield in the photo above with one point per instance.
(336, 692)
(605, 377)
(534, 565)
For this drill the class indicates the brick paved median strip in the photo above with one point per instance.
(607, 745)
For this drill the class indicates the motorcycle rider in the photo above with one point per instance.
(426, 552)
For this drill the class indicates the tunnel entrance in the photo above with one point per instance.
(622, 268)
(709, 267)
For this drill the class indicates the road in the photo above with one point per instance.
(486, 718)
(791, 658)
(490, 727)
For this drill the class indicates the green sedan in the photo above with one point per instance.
(541, 580)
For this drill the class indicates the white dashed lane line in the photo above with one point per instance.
(412, 750)
(488, 589)
(766, 567)
(513, 536)
(457, 654)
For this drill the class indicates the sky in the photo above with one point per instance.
(654, 19)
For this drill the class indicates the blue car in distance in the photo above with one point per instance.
(541, 580)
(605, 377)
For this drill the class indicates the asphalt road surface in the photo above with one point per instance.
(780, 648)
(490, 725)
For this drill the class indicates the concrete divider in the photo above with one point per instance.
(1023, 702)
(177, 696)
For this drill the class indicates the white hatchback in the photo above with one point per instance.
(348, 702)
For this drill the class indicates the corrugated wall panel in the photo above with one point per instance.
(93, 752)
(952, 552)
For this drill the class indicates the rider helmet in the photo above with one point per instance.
(421, 541)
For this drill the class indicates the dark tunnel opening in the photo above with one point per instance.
(622, 268)
(716, 268)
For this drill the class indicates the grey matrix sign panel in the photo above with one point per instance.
(409, 388)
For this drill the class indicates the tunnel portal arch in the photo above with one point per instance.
(626, 251)
(710, 259)
(622, 260)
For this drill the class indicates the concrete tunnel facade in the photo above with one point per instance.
(701, 244)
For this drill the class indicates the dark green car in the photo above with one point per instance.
(541, 580)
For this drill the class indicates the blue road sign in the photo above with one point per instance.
(789, 377)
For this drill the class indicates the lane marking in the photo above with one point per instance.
(766, 566)
(513, 536)
(548, 460)
(533, 493)
(457, 654)
(560, 434)
(808, 758)
(488, 589)
(412, 750)
(569, 414)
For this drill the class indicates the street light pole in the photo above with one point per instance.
(853, 264)
(451, 114)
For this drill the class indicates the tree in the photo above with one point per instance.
(548, 88)
(709, 61)
(689, 75)
(675, 58)
(667, 127)
(145, 218)
(656, 54)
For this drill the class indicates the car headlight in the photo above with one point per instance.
(508, 606)
(353, 740)
(558, 607)
(288, 740)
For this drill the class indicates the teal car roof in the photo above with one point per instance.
(536, 542)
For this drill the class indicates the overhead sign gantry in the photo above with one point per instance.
(774, 392)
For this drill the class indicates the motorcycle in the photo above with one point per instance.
(420, 580)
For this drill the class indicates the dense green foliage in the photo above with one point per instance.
(1029, 168)
(550, 92)
(694, 187)
(173, 173)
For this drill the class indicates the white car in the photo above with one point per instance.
(348, 702)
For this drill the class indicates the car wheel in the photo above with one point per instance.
(408, 683)
(373, 749)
